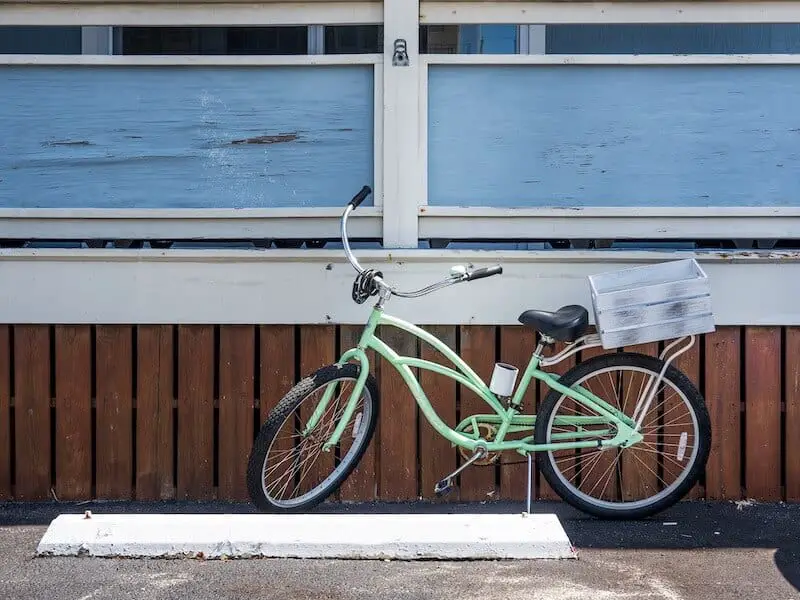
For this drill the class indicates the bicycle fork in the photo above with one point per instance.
(350, 407)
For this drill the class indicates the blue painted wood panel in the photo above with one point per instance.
(184, 137)
(689, 38)
(579, 136)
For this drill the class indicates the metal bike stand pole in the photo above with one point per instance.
(528, 510)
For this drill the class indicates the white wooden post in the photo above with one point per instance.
(402, 168)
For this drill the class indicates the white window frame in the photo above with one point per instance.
(401, 215)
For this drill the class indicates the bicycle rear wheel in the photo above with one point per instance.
(645, 478)
(288, 471)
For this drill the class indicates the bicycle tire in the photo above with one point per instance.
(286, 407)
(602, 508)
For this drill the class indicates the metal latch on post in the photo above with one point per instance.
(400, 56)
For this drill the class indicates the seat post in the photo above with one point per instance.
(544, 340)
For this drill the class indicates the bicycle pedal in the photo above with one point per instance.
(443, 487)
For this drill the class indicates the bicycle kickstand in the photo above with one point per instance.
(530, 482)
(445, 486)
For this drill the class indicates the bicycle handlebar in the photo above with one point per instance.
(455, 278)
(360, 196)
(484, 272)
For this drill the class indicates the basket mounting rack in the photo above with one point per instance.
(668, 355)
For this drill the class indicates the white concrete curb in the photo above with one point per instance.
(355, 536)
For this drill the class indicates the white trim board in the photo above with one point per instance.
(434, 222)
(611, 59)
(192, 14)
(609, 223)
(546, 13)
(119, 60)
(350, 536)
(169, 224)
(314, 286)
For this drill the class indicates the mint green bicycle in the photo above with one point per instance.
(620, 435)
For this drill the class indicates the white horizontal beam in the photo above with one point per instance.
(173, 224)
(189, 60)
(609, 223)
(189, 14)
(611, 59)
(522, 13)
(314, 286)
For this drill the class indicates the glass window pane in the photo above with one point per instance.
(353, 39)
(714, 38)
(214, 40)
(438, 39)
(40, 40)
(468, 39)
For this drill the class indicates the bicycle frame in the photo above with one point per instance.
(507, 418)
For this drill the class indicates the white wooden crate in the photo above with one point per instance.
(651, 303)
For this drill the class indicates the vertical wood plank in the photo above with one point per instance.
(545, 491)
(478, 350)
(723, 395)
(317, 349)
(517, 344)
(277, 365)
(763, 412)
(236, 407)
(398, 424)
(73, 358)
(32, 411)
(278, 375)
(5, 413)
(362, 484)
(689, 364)
(639, 466)
(792, 431)
(154, 413)
(114, 460)
(437, 456)
(195, 476)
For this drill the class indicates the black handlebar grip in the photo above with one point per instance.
(484, 272)
(360, 196)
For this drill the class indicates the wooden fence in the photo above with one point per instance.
(160, 412)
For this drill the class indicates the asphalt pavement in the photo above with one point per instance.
(694, 551)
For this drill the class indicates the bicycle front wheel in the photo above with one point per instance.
(288, 470)
(645, 478)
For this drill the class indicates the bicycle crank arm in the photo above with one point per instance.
(445, 486)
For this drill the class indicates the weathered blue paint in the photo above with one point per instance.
(40, 40)
(575, 136)
(167, 137)
(688, 38)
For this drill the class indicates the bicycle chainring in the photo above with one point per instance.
(488, 432)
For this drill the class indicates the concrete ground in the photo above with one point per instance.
(694, 551)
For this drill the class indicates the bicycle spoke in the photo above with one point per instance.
(610, 468)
